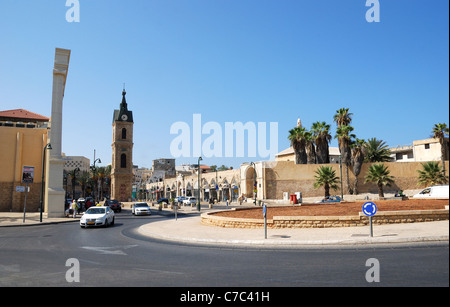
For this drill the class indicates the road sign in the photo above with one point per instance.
(264, 210)
(369, 208)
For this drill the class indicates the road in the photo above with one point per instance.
(120, 256)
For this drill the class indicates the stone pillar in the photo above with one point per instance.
(55, 194)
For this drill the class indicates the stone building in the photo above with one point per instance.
(23, 135)
(122, 153)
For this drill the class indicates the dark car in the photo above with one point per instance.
(115, 205)
(162, 200)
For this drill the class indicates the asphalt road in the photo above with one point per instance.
(52, 255)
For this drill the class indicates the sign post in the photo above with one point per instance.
(369, 208)
(265, 220)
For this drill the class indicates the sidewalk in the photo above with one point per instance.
(187, 228)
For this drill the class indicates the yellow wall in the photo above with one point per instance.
(20, 147)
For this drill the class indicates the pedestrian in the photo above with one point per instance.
(75, 207)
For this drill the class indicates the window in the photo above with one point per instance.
(124, 133)
(398, 156)
(123, 161)
(427, 146)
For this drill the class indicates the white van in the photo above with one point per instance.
(436, 191)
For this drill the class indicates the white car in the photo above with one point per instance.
(97, 216)
(190, 200)
(140, 209)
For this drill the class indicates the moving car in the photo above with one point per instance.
(115, 205)
(97, 216)
(140, 209)
(330, 199)
(190, 200)
(436, 191)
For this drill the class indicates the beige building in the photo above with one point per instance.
(122, 153)
(23, 135)
(420, 151)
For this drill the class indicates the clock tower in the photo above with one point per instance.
(122, 153)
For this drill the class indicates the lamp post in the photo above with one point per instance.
(254, 181)
(198, 193)
(93, 177)
(47, 146)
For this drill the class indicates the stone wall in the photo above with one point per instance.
(387, 217)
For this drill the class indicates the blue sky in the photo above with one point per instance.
(230, 61)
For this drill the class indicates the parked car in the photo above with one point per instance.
(140, 209)
(436, 191)
(330, 199)
(115, 205)
(97, 216)
(190, 200)
(161, 200)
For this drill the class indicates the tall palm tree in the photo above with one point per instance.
(310, 149)
(298, 142)
(440, 132)
(431, 174)
(84, 179)
(342, 117)
(379, 174)
(74, 180)
(322, 136)
(358, 151)
(103, 173)
(326, 177)
(377, 151)
(345, 139)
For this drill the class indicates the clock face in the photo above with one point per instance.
(124, 117)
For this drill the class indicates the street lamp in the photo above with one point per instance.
(198, 193)
(47, 146)
(93, 170)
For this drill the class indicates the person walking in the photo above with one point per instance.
(75, 207)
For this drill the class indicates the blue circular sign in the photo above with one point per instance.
(369, 208)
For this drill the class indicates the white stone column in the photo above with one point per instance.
(55, 194)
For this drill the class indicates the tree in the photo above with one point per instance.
(73, 176)
(322, 136)
(298, 143)
(431, 174)
(358, 151)
(345, 139)
(326, 177)
(377, 151)
(379, 174)
(440, 132)
(342, 117)
(310, 149)
(84, 178)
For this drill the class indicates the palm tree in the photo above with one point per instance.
(358, 151)
(342, 117)
(298, 142)
(73, 175)
(377, 151)
(326, 177)
(379, 174)
(345, 139)
(440, 132)
(310, 149)
(431, 174)
(84, 179)
(103, 173)
(322, 136)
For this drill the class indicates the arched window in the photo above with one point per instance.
(123, 161)
(124, 133)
